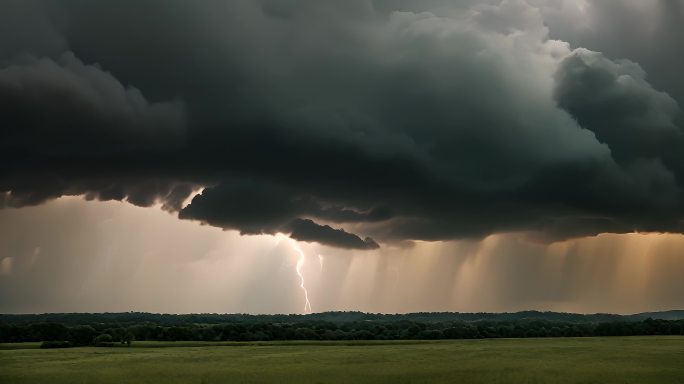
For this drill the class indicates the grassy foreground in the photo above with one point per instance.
(586, 360)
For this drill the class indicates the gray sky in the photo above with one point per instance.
(440, 155)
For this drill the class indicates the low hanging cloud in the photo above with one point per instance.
(307, 230)
(344, 123)
(265, 208)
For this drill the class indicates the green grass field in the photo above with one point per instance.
(586, 360)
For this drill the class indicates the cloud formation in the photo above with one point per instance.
(399, 120)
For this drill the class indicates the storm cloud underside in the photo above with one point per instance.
(351, 123)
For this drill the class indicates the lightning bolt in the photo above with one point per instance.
(320, 262)
(300, 263)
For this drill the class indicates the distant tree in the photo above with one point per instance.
(82, 335)
(127, 338)
(104, 340)
(124, 335)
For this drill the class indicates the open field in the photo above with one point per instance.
(584, 360)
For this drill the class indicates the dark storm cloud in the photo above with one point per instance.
(307, 230)
(67, 107)
(265, 208)
(647, 32)
(614, 100)
(304, 117)
(256, 207)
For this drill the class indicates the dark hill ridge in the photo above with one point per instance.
(665, 315)
(336, 317)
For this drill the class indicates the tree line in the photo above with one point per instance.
(109, 334)
(71, 319)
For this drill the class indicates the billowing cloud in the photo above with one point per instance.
(614, 100)
(646, 32)
(399, 120)
(67, 107)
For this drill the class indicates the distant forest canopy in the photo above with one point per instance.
(337, 317)
(106, 329)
